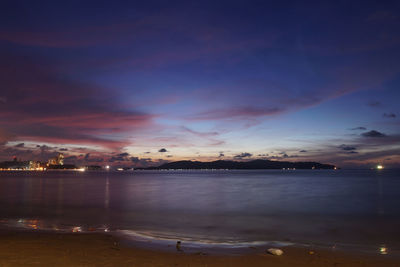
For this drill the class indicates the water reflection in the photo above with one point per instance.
(35, 224)
(107, 194)
(60, 196)
(321, 206)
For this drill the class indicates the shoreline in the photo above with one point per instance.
(36, 248)
(163, 241)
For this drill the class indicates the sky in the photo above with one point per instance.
(140, 83)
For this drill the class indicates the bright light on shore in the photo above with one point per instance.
(81, 169)
(379, 167)
(107, 167)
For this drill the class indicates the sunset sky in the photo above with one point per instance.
(139, 83)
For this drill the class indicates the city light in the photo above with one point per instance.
(53, 164)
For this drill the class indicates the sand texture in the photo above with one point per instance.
(43, 249)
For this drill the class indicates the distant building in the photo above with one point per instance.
(59, 160)
(15, 164)
(35, 165)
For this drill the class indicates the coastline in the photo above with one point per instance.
(36, 248)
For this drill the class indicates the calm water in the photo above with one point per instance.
(324, 207)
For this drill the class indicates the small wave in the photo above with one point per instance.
(169, 238)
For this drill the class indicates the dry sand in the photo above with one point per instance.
(46, 249)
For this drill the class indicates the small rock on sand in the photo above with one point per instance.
(275, 251)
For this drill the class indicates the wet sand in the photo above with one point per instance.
(53, 249)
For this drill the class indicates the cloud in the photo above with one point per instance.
(20, 145)
(369, 149)
(134, 159)
(237, 112)
(45, 101)
(42, 106)
(4, 136)
(371, 158)
(97, 160)
(374, 104)
(221, 154)
(358, 128)
(83, 36)
(62, 135)
(121, 157)
(243, 155)
(162, 150)
(373, 133)
(389, 115)
(200, 134)
(210, 136)
(303, 151)
(347, 148)
(41, 153)
(229, 101)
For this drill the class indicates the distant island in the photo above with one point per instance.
(240, 165)
(57, 163)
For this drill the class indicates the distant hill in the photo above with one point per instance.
(241, 165)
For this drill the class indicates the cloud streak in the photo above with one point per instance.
(42, 107)
(373, 134)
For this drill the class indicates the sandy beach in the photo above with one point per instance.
(53, 249)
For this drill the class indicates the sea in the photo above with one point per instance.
(343, 209)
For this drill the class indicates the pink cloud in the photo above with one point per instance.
(41, 106)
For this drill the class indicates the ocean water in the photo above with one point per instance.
(357, 209)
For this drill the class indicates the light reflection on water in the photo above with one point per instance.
(319, 207)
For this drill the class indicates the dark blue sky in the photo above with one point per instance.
(117, 81)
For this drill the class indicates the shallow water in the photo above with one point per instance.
(354, 209)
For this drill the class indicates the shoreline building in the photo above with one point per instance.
(59, 160)
(15, 164)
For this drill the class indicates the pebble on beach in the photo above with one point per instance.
(275, 251)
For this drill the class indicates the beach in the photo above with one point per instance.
(222, 218)
(83, 249)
